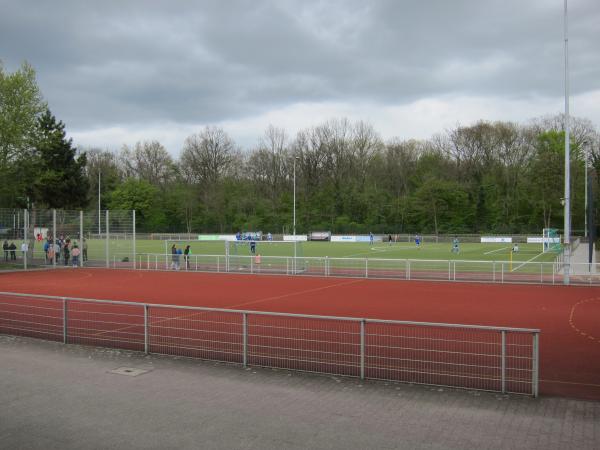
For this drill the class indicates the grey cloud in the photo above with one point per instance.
(112, 63)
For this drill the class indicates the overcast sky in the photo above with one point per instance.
(121, 71)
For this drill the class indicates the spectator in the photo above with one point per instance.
(13, 251)
(186, 257)
(179, 253)
(85, 248)
(75, 254)
(174, 257)
(46, 248)
(66, 252)
(5, 248)
(51, 253)
(57, 249)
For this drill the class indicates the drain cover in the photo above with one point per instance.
(129, 371)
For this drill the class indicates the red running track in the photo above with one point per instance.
(568, 316)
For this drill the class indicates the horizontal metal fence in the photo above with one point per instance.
(404, 269)
(464, 356)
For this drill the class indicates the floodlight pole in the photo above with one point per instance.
(585, 209)
(99, 219)
(294, 227)
(567, 226)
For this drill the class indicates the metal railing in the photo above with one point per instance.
(463, 356)
(404, 269)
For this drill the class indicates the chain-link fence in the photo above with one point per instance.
(61, 238)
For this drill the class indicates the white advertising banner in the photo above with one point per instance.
(496, 239)
(343, 238)
(297, 237)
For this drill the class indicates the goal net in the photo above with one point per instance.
(242, 255)
(271, 256)
(551, 241)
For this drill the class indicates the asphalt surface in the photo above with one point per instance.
(55, 396)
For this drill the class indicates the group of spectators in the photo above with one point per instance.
(176, 256)
(10, 251)
(63, 248)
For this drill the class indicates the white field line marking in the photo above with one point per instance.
(382, 249)
(200, 313)
(528, 261)
(494, 251)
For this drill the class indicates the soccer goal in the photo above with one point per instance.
(551, 241)
(265, 256)
(244, 255)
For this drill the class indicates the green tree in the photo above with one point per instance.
(102, 167)
(145, 199)
(21, 104)
(60, 180)
(442, 207)
(546, 174)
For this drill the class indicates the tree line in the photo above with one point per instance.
(489, 177)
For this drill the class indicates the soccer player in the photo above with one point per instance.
(455, 243)
(253, 246)
(371, 238)
(269, 237)
(417, 240)
(515, 248)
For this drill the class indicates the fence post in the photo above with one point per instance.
(362, 349)
(80, 238)
(54, 238)
(453, 270)
(245, 339)
(134, 240)
(65, 330)
(449, 276)
(503, 361)
(494, 271)
(146, 333)
(24, 248)
(408, 269)
(106, 243)
(536, 364)
(502, 274)
(366, 268)
(541, 273)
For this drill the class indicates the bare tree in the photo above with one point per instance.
(149, 161)
(207, 156)
(582, 130)
(268, 162)
(366, 143)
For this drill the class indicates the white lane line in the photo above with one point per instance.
(497, 250)
(529, 260)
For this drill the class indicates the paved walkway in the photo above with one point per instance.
(54, 396)
(580, 259)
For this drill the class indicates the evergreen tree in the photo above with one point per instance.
(60, 181)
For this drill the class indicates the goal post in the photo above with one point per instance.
(238, 253)
(266, 248)
(551, 240)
